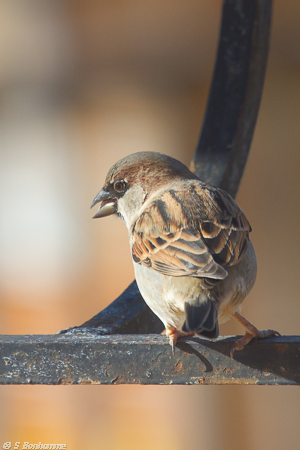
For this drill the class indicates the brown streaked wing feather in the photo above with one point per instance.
(160, 236)
(229, 245)
(193, 229)
(178, 258)
(226, 234)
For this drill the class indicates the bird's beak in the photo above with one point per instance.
(108, 204)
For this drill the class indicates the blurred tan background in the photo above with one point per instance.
(83, 84)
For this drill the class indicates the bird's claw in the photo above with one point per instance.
(173, 335)
(240, 343)
(173, 344)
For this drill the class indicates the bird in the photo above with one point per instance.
(193, 260)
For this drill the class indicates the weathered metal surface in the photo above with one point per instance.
(226, 135)
(90, 358)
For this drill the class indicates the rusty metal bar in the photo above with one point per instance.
(135, 359)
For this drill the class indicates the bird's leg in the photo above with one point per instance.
(251, 332)
(173, 335)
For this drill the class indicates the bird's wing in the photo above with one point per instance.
(192, 229)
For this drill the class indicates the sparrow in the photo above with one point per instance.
(193, 260)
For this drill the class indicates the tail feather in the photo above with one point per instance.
(202, 319)
(211, 334)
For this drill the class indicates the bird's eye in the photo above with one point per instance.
(119, 186)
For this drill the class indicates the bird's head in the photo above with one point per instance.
(133, 180)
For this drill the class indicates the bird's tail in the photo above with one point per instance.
(202, 319)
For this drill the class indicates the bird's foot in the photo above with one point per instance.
(240, 343)
(251, 332)
(173, 335)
